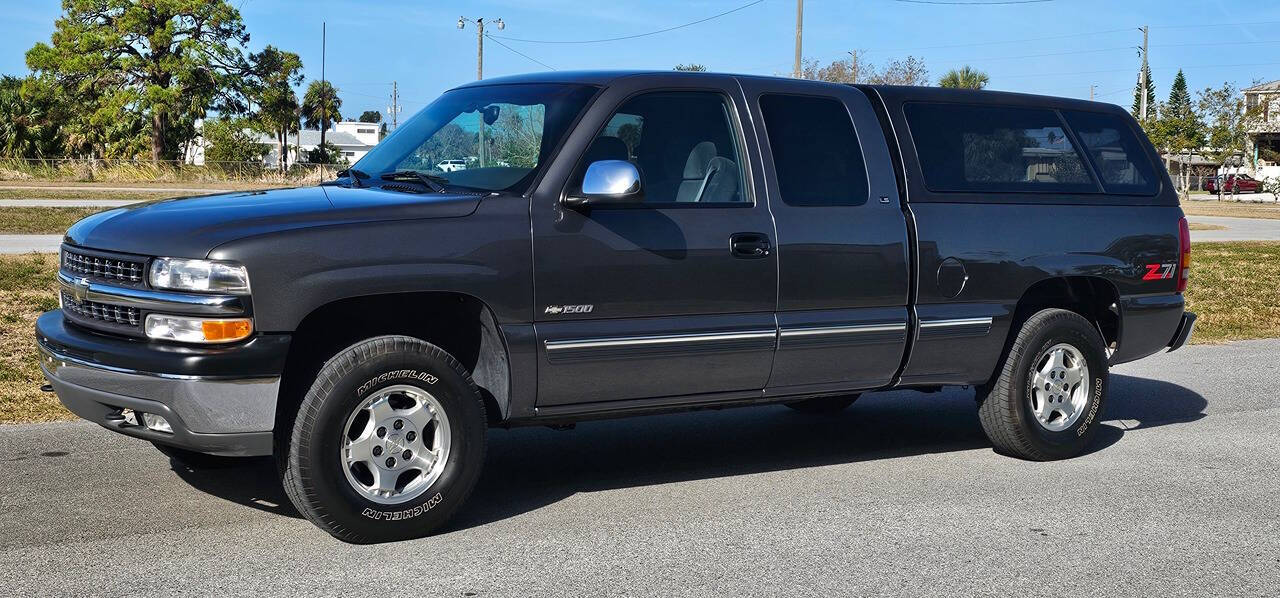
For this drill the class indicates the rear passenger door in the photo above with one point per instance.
(841, 237)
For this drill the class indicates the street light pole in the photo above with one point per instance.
(462, 24)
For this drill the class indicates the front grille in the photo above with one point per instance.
(101, 267)
(93, 313)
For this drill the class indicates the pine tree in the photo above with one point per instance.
(1151, 96)
(1179, 105)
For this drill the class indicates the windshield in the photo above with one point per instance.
(489, 138)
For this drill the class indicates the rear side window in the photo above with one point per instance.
(815, 151)
(970, 148)
(1121, 161)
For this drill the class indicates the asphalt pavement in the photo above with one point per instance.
(899, 495)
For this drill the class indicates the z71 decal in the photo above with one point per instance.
(1159, 271)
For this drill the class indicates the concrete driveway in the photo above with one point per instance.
(901, 495)
(1237, 229)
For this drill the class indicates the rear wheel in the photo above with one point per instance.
(1046, 398)
(388, 442)
(824, 404)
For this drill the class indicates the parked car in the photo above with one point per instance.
(659, 242)
(451, 165)
(1236, 183)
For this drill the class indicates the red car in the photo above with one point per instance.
(1239, 183)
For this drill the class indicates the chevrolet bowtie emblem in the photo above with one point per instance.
(80, 289)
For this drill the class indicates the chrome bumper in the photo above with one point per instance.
(218, 415)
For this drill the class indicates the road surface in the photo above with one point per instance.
(1237, 229)
(900, 494)
(29, 243)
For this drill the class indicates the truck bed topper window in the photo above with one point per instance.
(988, 148)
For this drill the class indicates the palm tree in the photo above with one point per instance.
(965, 77)
(320, 106)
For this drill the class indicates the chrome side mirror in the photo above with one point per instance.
(608, 182)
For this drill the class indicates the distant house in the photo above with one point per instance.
(1263, 150)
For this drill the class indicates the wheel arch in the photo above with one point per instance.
(459, 323)
(1093, 297)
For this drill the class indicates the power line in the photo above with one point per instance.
(989, 3)
(496, 41)
(625, 37)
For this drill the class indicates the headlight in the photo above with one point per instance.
(197, 330)
(198, 275)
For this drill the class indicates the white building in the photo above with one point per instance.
(353, 139)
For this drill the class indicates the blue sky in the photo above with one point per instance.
(1059, 47)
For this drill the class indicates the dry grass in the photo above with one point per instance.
(1231, 209)
(41, 221)
(128, 171)
(1235, 290)
(1203, 226)
(87, 193)
(26, 290)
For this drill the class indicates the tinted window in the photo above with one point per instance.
(815, 151)
(1121, 161)
(683, 143)
(995, 149)
(502, 134)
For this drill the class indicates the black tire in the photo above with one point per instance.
(196, 461)
(824, 404)
(314, 477)
(1004, 405)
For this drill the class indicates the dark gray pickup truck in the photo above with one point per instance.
(550, 248)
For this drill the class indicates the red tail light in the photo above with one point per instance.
(1184, 258)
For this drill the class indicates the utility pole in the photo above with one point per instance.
(799, 36)
(462, 23)
(394, 108)
(1143, 75)
(324, 100)
(1091, 90)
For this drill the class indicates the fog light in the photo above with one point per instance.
(157, 423)
(130, 417)
(197, 330)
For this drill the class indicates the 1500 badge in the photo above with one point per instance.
(556, 310)
(1159, 271)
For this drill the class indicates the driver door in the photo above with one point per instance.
(670, 296)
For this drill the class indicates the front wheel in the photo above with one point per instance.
(388, 442)
(1046, 398)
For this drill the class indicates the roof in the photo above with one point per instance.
(1272, 86)
(601, 78)
(312, 137)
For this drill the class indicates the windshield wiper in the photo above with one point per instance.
(355, 176)
(431, 181)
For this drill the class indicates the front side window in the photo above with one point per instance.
(815, 151)
(684, 144)
(487, 138)
(1119, 157)
(971, 148)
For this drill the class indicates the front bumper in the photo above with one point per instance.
(217, 400)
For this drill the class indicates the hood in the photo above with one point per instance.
(193, 226)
